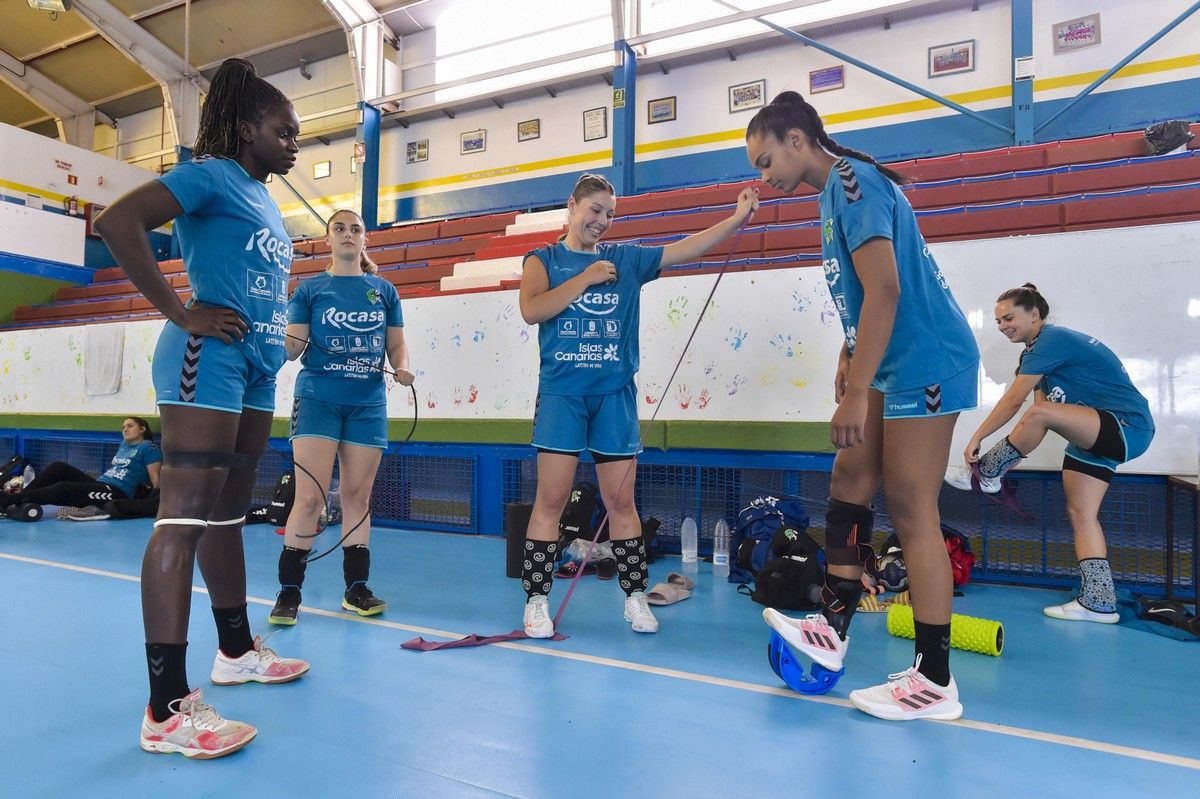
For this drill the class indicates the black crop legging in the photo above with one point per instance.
(63, 484)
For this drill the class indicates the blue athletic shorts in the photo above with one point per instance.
(205, 372)
(364, 425)
(959, 393)
(606, 424)
(1117, 443)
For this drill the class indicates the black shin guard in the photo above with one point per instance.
(291, 567)
(356, 565)
(631, 564)
(537, 568)
(847, 543)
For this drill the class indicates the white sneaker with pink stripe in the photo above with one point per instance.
(260, 664)
(195, 730)
(811, 636)
(909, 695)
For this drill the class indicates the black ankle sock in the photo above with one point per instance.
(356, 565)
(291, 567)
(933, 647)
(537, 568)
(631, 564)
(167, 665)
(841, 598)
(233, 631)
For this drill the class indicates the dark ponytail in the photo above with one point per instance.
(1027, 297)
(789, 110)
(236, 95)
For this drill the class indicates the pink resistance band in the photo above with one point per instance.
(421, 645)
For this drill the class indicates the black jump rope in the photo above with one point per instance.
(308, 342)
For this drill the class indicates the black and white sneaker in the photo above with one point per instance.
(360, 600)
(287, 607)
(88, 513)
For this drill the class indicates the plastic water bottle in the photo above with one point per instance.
(720, 558)
(333, 504)
(689, 540)
(27, 476)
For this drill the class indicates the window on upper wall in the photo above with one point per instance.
(664, 15)
(475, 37)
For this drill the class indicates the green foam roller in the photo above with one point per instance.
(966, 632)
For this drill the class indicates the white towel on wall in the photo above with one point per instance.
(103, 357)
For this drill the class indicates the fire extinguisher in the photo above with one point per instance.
(71, 204)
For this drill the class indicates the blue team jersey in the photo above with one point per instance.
(348, 315)
(128, 469)
(931, 340)
(592, 346)
(236, 250)
(1078, 369)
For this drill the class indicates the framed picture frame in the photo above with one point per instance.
(472, 141)
(322, 169)
(1075, 34)
(417, 151)
(827, 79)
(529, 129)
(595, 124)
(744, 96)
(660, 110)
(950, 59)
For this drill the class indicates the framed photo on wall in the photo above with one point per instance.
(949, 59)
(744, 96)
(1075, 34)
(322, 169)
(417, 151)
(660, 110)
(827, 79)
(529, 129)
(595, 124)
(473, 141)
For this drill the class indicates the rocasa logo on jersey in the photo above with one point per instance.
(271, 248)
(358, 321)
(597, 303)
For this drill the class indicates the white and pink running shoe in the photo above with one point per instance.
(811, 636)
(194, 730)
(909, 695)
(260, 664)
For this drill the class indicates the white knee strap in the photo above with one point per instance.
(181, 523)
(229, 523)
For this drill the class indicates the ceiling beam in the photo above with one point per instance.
(366, 33)
(76, 118)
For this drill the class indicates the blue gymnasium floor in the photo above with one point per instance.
(1069, 710)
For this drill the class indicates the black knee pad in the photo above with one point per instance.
(848, 530)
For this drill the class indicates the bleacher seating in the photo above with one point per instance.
(1103, 181)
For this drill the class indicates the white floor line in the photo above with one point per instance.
(706, 679)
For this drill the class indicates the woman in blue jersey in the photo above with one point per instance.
(134, 469)
(1082, 392)
(584, 296)
(214, 375)
(908, 366)
(352, 318)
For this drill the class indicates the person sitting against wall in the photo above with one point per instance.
(133, 472)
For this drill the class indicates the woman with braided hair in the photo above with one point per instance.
(214, 376)
(908, 365)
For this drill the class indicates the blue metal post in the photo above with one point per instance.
(937, 98)
(624, 119)
(368, 171)
(1120, 65)
(1022, 90)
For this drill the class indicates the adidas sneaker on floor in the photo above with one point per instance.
(194, 730)
(909, 695)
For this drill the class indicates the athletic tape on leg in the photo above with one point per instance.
(421, 645)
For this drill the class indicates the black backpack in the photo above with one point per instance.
(1163, 137)
(280, 506)
(581, 515)
(792, 578)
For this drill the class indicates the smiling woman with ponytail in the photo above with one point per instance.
(909, 364)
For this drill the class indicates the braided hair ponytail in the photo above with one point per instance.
(236, 95)
(789, 110)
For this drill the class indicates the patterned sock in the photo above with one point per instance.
(537, 570)
(933, 647)
(631, 564)
(999, 459)
(167, 664)
(1096, 591)
(233, 631)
